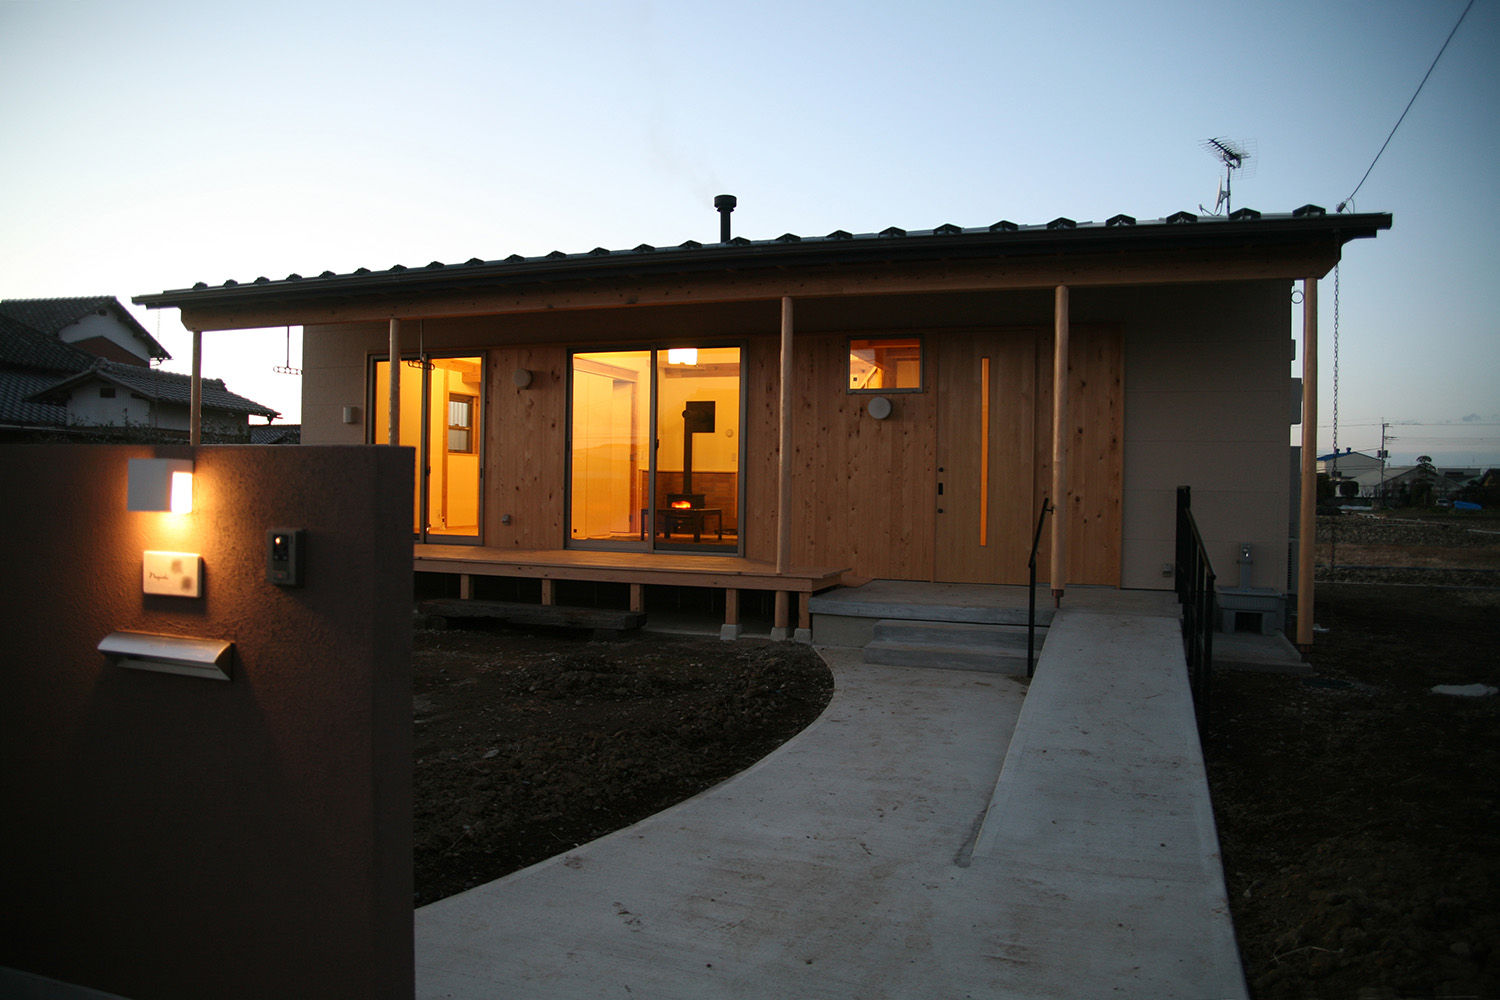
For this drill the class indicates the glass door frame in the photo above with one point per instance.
(658, 350)
(379, 409)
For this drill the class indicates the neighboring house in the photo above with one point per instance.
(83, 365)
(626, 408)
(1347, 464)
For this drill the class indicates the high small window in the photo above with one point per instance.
(106, 392)
(460, 423)
(885, 364)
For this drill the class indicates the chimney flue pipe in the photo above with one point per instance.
(725, 204)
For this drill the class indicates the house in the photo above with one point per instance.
(802, 409)
(1348, 464)
(77, 365)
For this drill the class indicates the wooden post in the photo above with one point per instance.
(637, 597)
(1061, 506)
(784, 416)
(781, 623)
(1307, 530)
(394, 437)
(549, 592)
(465, 586)
(731, 629)
(195, 393)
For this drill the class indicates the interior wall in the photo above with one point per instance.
(172, 836)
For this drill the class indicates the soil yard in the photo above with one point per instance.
(528, 743)
(1359, 812)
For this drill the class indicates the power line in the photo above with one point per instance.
(1408, 107)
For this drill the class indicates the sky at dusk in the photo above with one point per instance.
(152, 145)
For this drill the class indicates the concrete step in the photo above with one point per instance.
(950, 645)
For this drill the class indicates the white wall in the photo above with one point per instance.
(108, 328)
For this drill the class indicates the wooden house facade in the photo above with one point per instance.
(894, 405)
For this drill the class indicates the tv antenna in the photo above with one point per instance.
(1233, 155)
(287, 368)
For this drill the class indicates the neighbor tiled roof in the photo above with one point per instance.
(1120, 233)
(22, 346)
(275, 433)
(49, 316)
(15, 407)
(154, 384)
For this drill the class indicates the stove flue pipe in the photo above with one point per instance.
(725, 204)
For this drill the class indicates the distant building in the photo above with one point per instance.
(1347, 464)
(82, 367)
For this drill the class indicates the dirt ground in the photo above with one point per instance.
(528, 743)
(1359, 813)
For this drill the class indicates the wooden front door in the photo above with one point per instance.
(994, 454)
(987, 428)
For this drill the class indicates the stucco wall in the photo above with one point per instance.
(1207, 404)
(171, 836)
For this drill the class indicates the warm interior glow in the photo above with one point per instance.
(182, 493)
(682, 355)
(682, 504)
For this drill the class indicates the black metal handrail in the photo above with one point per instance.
(1199, 599)
(1036, 540)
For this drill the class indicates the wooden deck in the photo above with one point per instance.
(637, 569)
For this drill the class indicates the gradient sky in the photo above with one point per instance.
(151, 145)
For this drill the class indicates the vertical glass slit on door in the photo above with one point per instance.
(984, 451)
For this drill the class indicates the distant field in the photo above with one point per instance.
(1426, 542)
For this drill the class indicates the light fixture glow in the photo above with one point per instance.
(682, 355)
(182, 493)
(160, 484)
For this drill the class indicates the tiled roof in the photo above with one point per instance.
(275, 433)
(15, 407)
(49, 316)
(1183, 230)
(22, 346)
(154, 384)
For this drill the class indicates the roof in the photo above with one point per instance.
(24, 347)
(51, 316)
(1244, 230)
(155, 384)
(275, 433)
(16, 388)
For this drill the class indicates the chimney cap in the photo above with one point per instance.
(725, 202)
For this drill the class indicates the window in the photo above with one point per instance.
(106, 392)
(460, 424)
(885, 364)
(656, 449)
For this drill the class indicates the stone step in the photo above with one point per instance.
(951, 646)
(946, 633)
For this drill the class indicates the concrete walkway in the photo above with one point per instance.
(864, 859)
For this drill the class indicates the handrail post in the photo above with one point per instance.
(1036, 540)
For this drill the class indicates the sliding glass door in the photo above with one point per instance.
(441, 419)
(655, 453)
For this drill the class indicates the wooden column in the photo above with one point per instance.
(549, 592)
(195, 393)
(1307, 525)
(637, 597)
(781, 625)
(784, 458)
(394, 437)
(1060, 504)
(731, 629)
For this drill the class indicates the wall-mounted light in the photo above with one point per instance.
(521, 378)
(160, 484)
(682, 355)
(879, 407)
